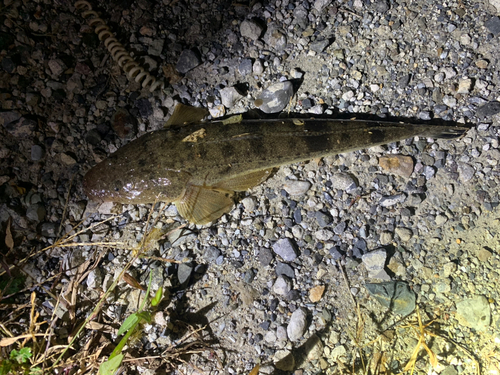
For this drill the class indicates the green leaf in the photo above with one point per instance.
(5, 367)
(21, 356)
(145, 316)
(157, 298)
(36, 371)
(129, 323)
(110, 366)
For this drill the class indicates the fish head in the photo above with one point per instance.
(107, 182)
(125, 180)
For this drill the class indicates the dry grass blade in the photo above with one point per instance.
(9, 240)
(11, 340)
(130, 280)
(421, 332)
(360, 323)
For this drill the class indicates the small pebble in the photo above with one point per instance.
(297, 325)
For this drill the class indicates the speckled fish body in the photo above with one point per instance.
(223, 158)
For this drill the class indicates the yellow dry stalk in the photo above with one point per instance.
(421, 332)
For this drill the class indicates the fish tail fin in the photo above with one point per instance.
(445, 132)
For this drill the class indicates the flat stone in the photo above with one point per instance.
(313, 347)
(286, 249)
(245, 67)
(374, 261)
(323, 235)
(441, 220)
(395, 295)
(297, 187)
(284, 269)
(8, 117)
(322, 219)
(340, 227)
(23, 127)
(474, 313)
(316, 292)
(493, 25)
(68, 159)
(249, 203)
(392, 200)
(36, 212)
(404, 233)
(465, 171)
(211, 254)
(286, 362)
(36, 152)
(397, 164)
(320, 4)
(483, 255)
(344, 181)
(464, 86)
(188, 60)
(386, 238)
(319, 46)
(265, 256)
(488, 109)
(184, 273)
(258, 67)
(297, 325)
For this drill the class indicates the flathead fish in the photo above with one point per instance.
(199, 166)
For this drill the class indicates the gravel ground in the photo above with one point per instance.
(276, 280)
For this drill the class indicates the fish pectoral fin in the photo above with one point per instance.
(202, 204)
(184, 115)
(244, 182)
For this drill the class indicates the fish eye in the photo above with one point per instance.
(118, 185)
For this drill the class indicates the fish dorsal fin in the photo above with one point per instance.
(244, 182)
(201, 204)
(184, 114)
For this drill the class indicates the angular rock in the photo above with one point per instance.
(395, 295)
(397, 164)
(284, 269)
(245, 67)
(404, 233)
(319, 46)
(188, 60)
(229, 96)
(493, 25)
(275, 98)
(316, 292)
(275, 38)
(286, 249)
(184, 273)
(282, 286)
(251, 29)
